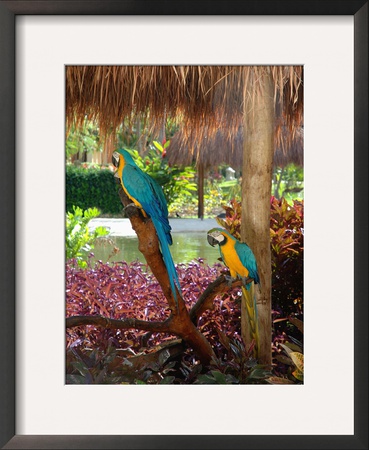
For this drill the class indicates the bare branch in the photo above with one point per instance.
(215, 288)
(106, 322)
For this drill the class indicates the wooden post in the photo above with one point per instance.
(200, 190)
(256, 189)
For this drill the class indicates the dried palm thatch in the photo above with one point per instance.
(203, 99)
(290, 150)
(225, 148)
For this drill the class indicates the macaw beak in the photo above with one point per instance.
(212, 241)
(115, 159)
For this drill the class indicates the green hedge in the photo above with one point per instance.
(89, 188)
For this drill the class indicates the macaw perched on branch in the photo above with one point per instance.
(147, 195)
(240, 260)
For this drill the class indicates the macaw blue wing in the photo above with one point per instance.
(149, 195)
(248, 260)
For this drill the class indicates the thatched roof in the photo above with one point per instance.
(221, 147)
(203, 99)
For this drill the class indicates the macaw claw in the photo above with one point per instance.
(132, 209)
(246, 280)
(229, 280)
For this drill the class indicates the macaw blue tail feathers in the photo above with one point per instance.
(168, 260)
(252, 314)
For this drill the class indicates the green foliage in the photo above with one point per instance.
(85, 139)
(175, 181)
(213, 195)
(104, 365)
(89, 367)
(107, 366)
(288, 182)
(231, 189)
(238, 368)
(92, 188)
(187, 206)
(78, 238)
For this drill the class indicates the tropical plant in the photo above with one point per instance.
(238, 367)
(287, 182)
(176, 181)
(84, 139)
(79, 240)
(186, 205)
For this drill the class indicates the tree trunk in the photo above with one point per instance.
(140, 136)
(256, 193)
(200, 190)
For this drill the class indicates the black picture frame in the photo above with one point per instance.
(8, 11)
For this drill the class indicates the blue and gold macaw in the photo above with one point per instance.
(146, 193)
(241, 262)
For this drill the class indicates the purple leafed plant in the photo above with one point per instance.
(98, 354)
(121, 290)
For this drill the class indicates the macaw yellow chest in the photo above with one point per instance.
(232, 260)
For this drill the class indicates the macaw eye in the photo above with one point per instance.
(115, 159)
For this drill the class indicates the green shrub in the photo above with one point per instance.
(177, 182)
(187, 205)
(79, 240)
(84, 139)
(92, 188)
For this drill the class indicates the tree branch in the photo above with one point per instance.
(148, 245)
(215, 288)
(106, 322)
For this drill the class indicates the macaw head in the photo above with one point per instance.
(217, 236)
(121, 153)
(115, 159)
